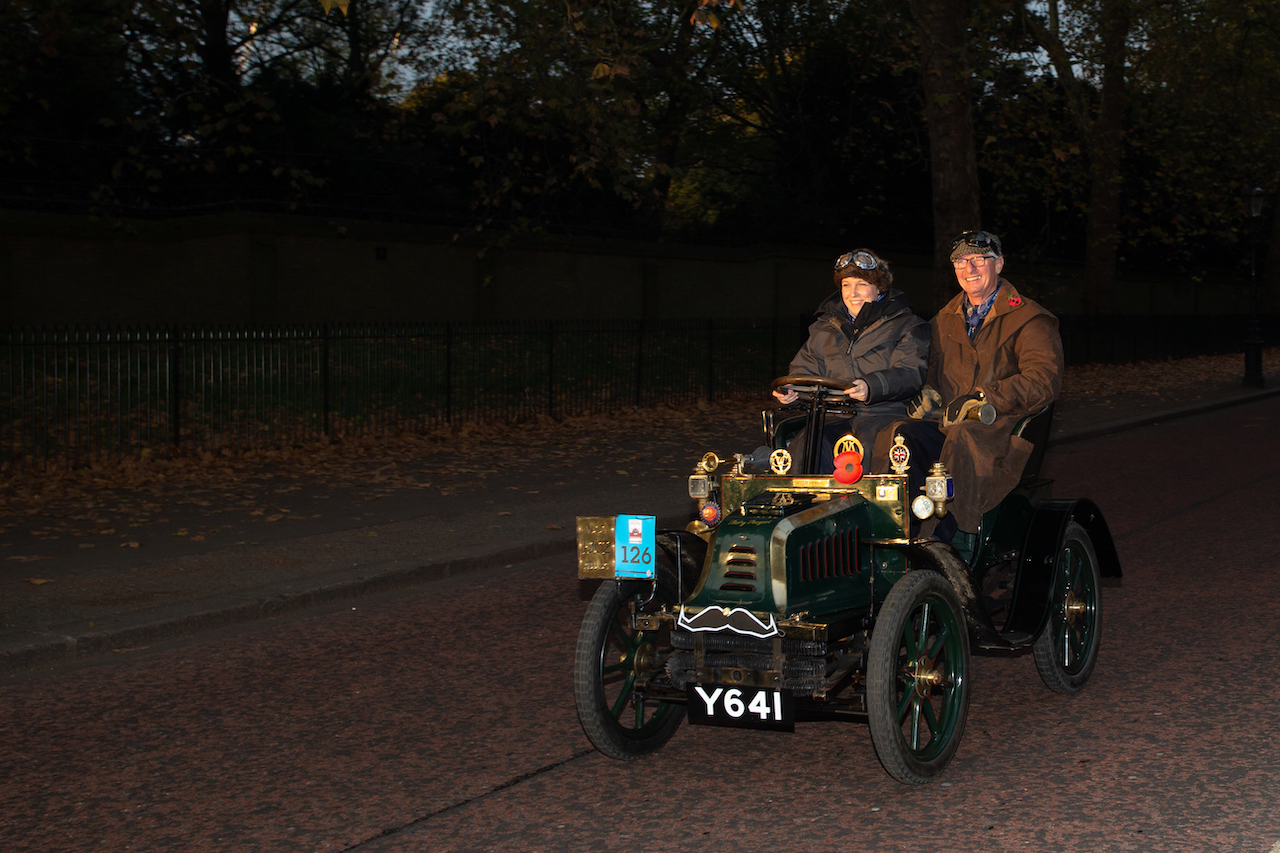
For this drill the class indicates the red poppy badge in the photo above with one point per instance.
(1015, 301)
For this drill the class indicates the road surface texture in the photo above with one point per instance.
(441, 718)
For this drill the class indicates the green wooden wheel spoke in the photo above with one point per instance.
(624, 639)
(617, 667)
(909, 640)
(926, 613)
(624, 697)
(930, 718)
(915, 724)
(1077, 640)
(940, 643)
(908, 694)
(1078, 564)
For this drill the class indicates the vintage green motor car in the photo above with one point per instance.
(806, 598)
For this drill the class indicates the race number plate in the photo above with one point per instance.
(743, 707)
(633, 547)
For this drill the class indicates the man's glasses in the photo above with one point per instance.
(861, 260)
(961, 263)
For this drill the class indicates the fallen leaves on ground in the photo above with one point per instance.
(1150, 377)
(662, 441)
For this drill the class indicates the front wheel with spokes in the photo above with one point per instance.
(612, 664)
(918, 677)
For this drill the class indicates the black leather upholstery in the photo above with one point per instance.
(1035, 429)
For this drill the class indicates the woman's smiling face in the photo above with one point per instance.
(857, 292)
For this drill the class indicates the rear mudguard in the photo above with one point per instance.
(1031, 597)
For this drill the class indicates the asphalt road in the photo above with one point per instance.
(443, 719)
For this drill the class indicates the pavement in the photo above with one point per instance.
(108, 570)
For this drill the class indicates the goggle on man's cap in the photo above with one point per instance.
(976, 243)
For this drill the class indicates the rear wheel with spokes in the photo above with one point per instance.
(1067, 648)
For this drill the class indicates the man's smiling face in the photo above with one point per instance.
(979, 275)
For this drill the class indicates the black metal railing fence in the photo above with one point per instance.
(72, 396)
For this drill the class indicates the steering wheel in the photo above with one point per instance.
(821, 396)
(806, 386)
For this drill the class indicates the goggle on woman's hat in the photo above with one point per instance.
(976, 243)
(866, 265)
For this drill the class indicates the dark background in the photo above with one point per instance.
(489, 124)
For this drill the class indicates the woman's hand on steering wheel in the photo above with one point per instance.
(784, 388)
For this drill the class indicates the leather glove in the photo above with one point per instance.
(962, 408)
(926, 405)
(757, 462)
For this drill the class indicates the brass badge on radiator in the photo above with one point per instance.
(849, 442)
(899, 456)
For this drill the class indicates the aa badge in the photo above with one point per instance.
(849, 442)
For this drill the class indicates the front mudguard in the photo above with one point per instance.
(944, 559)
(687, 553)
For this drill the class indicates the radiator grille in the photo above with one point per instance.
(833, 557)
(742, 560)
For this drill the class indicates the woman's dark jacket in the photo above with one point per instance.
(891, 354)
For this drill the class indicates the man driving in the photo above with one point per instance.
(991, 347)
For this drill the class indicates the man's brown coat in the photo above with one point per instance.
(1016, 361)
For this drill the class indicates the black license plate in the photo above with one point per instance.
(743, 707)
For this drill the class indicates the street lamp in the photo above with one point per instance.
(1253, 340)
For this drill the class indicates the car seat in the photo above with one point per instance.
(1035, 429)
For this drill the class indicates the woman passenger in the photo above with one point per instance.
(867, 338)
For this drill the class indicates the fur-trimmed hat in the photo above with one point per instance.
(976, 243)
(866, 265)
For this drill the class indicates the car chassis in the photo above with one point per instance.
(807, 598)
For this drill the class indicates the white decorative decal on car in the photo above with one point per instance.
(739, 620)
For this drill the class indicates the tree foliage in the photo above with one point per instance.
(1118, 130)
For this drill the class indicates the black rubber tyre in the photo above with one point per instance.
(608, 656)
(918, 677)
(1067, 648)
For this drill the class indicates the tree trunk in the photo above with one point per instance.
(1103, 136)
(944, 35)
(671, 66)
(359, 76)
(1106, 153)
(217, 58)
